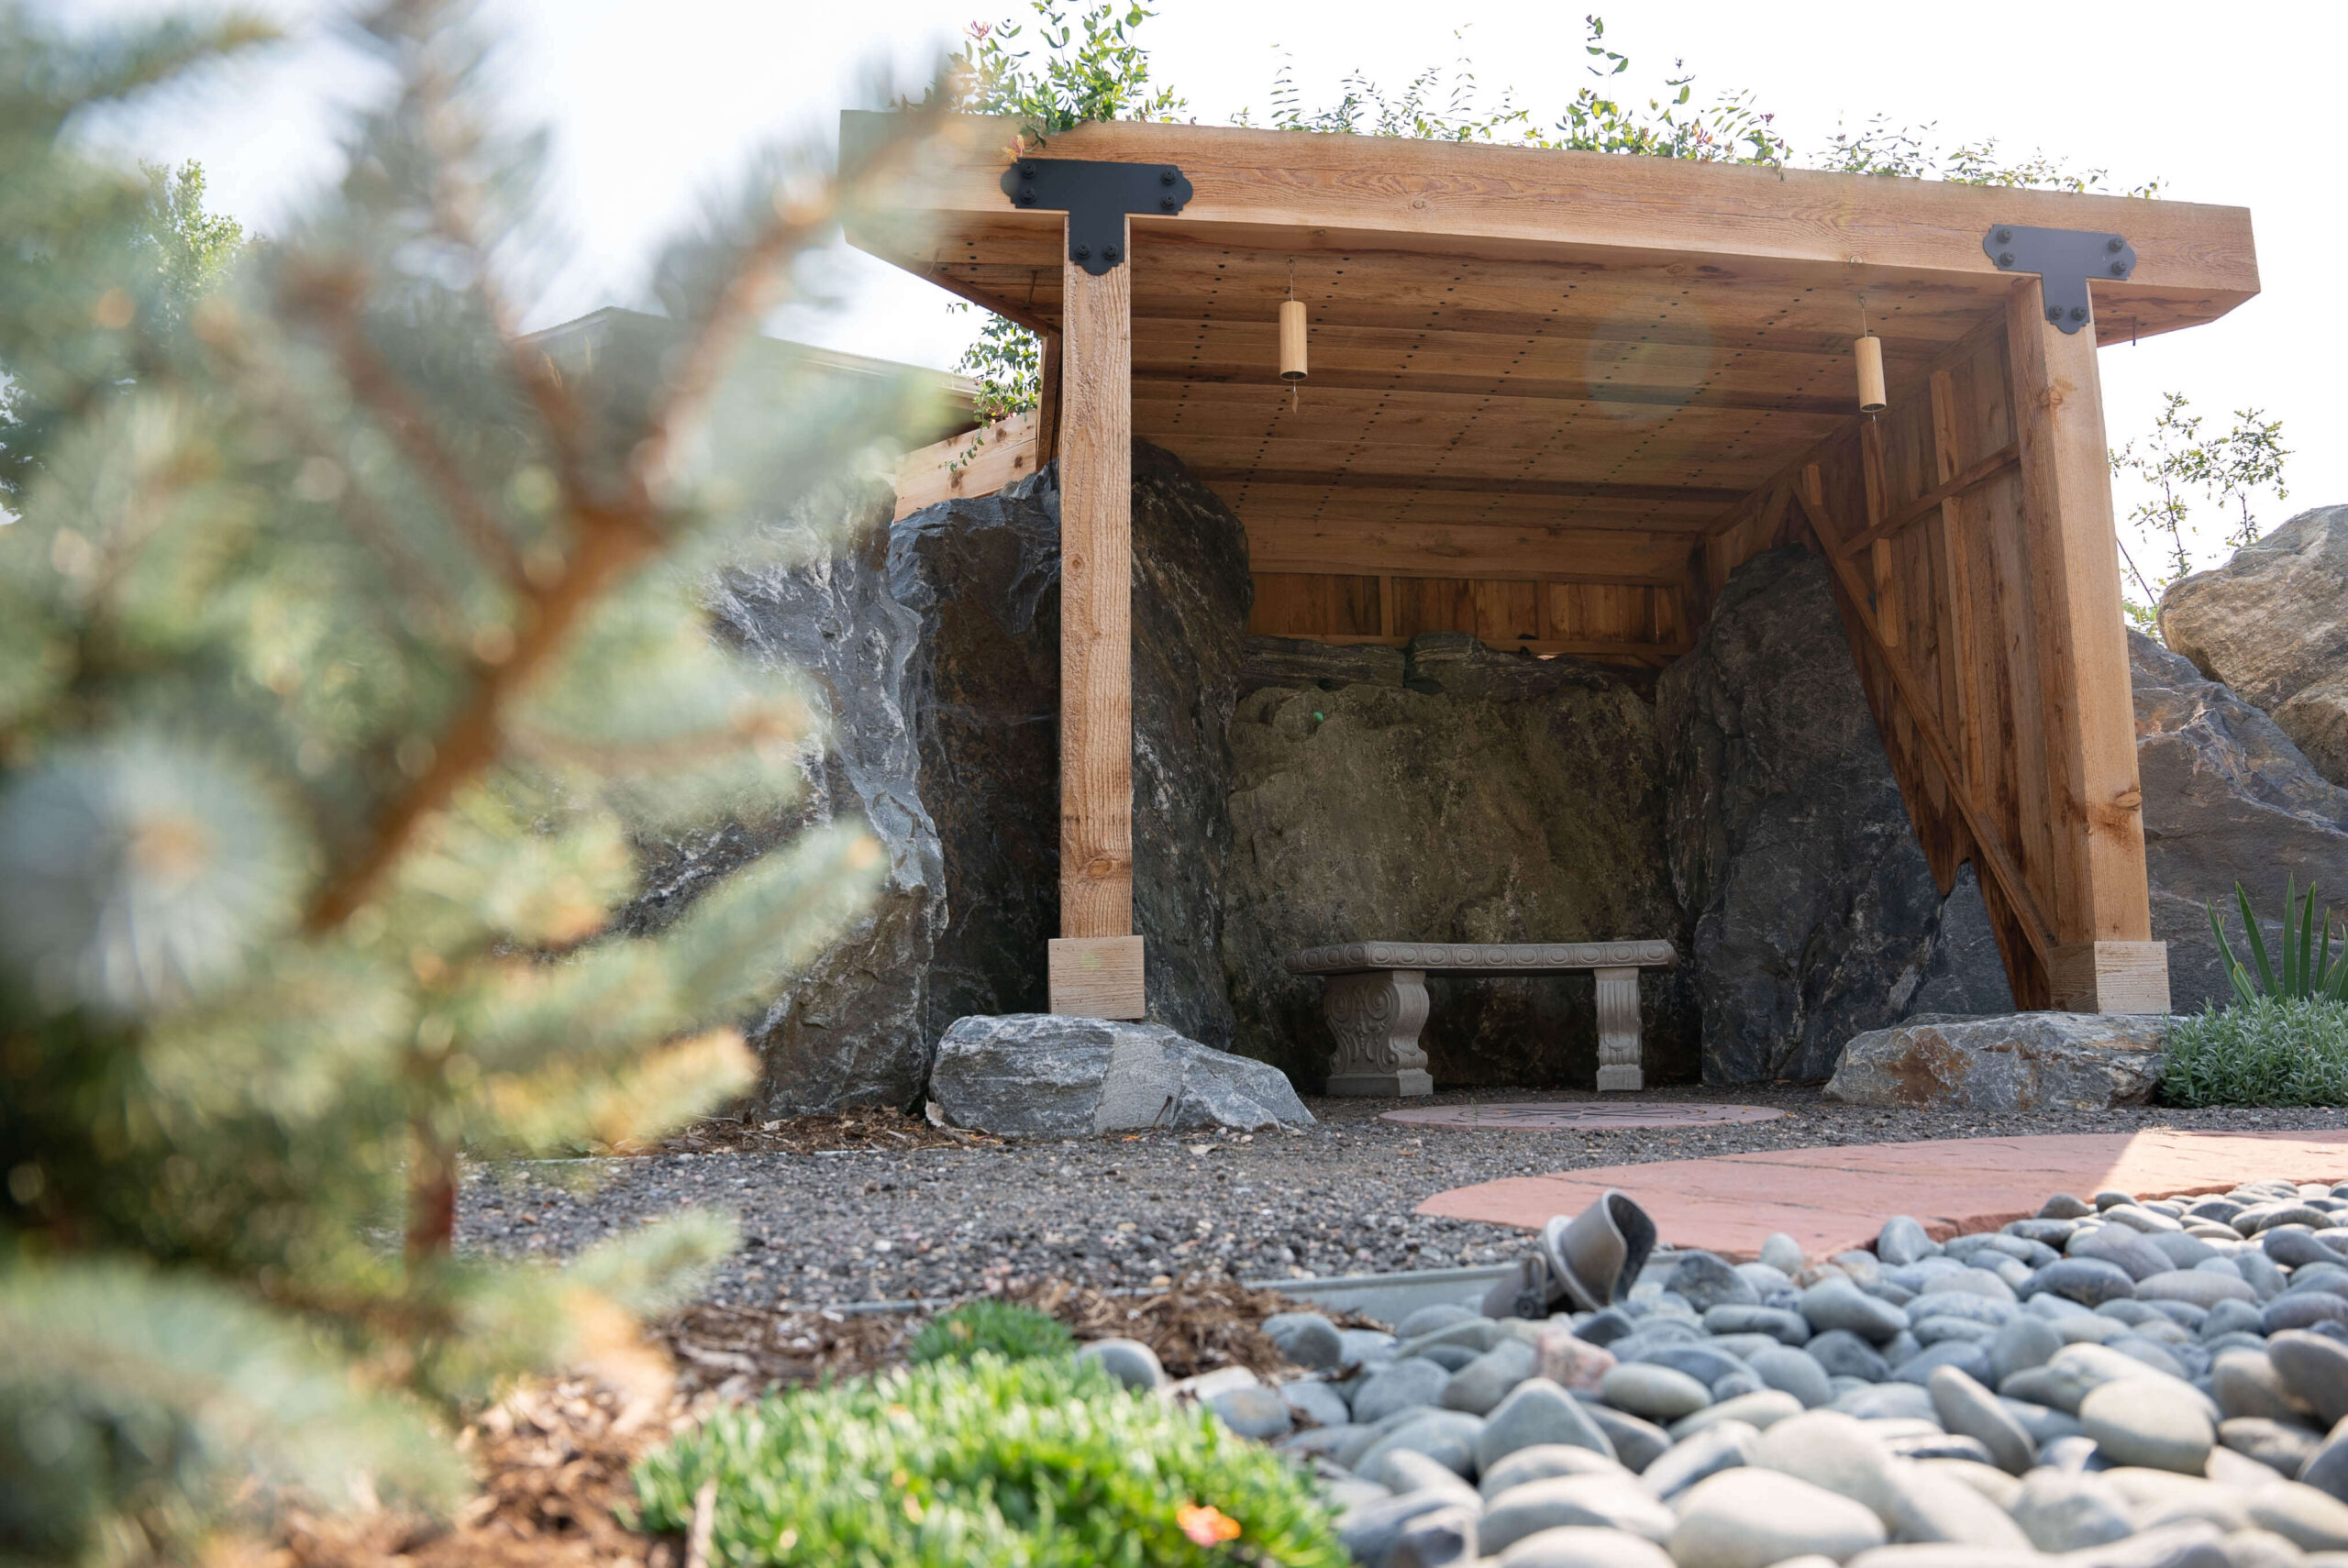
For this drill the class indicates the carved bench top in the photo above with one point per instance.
(1478, 957)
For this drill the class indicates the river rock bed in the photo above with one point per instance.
(2113, 1383)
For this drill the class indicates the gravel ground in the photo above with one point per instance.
(827, 1227)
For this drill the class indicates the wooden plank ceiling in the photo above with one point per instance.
(1529, 441)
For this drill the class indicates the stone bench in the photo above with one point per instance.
(1376, 1002)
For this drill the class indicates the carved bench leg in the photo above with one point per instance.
(1618, 1030)
(1375, 1019)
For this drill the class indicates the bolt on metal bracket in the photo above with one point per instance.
(2063, 259)
(1097, 197)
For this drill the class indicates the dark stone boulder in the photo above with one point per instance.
(1460, 794)
(2227, 798)
(1191, 595)
(933, 647)
(851, 1026)
(1815, 914)
(982, 578)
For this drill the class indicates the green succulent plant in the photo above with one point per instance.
(1010, 1330)
(2306, 967)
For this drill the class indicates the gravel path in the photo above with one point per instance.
(830, 1228)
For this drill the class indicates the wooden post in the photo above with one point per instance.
(1095, 965)
(2104, 958)
(1047, 398)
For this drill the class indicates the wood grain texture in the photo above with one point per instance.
(2003, 873)
(2089, 714)
(1096, 609)
(1470, 199)
(2111, 976)
(1047, 400)
(1095, 977)
(1435, 550)
(974, 463)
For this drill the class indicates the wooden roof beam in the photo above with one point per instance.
(1301, 190)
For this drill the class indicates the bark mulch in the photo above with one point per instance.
(878, 1129)
(553, 1458)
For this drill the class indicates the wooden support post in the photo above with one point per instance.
(1886, 589)
(1048, 399)
(1960, 660)
(1096, 964)
(2104, 958)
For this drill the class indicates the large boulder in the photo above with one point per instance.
(1449, 793)
(1191, 596)
(1815, 914)
(1045, 1075)
(2027, 1060)
(934, 646)
(2227, 798)
(2272, 624)
(851, 1026)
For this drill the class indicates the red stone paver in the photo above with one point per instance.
(1834, 1200)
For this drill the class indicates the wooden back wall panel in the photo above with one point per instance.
(1939, 573)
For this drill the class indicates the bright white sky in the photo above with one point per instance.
(654, 101)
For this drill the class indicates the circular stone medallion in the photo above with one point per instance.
(1531, 1115)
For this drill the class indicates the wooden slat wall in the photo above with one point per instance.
(1922, 513)
(1631, 624)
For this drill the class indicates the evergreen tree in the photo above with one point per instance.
(348, 645)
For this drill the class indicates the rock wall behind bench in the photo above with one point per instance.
(1452, 793)
(934, 645)
(1815, 914)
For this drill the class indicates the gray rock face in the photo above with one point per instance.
(851, 1026)
(1191, 594)
(1816, 916)
(933, 644)
(2025, 1061)
(1482, 797)
(2272, 624)
(1041, 1075)
(2227, 798)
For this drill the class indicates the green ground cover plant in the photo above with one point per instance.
(1045, 1464)
(999, 1328)
(2267, 1050)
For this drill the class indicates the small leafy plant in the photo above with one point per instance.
(1044, 1463)
(2266, 1050)
(2307, 969)
(1010, 1330)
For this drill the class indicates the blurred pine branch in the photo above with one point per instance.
(350, 644)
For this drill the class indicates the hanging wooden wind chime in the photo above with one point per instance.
(1292, 338)
(1870, 349)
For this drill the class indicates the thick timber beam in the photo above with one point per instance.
(2104, 959)
(1096, 964)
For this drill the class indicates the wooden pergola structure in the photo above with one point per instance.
(1554, 399)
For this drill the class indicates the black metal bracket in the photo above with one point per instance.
(1097, 197)
(2063, 259)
